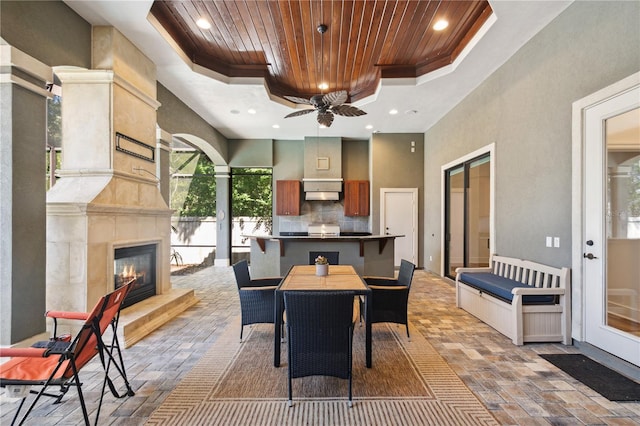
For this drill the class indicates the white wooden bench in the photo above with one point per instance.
(524, 300)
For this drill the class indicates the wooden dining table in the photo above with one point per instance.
(304, 278)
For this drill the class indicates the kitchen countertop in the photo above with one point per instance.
(317, 237)
(274, 255)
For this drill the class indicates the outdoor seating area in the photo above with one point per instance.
(513, 382)
(287, 212)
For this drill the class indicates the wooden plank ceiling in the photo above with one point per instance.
(278, 40)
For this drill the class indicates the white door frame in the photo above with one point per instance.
(578, 226)
(414, 217)
(490, 149)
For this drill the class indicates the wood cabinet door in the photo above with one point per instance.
(288, 197)
(356, 198)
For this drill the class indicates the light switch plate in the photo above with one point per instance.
(549, 243)
(556, 241)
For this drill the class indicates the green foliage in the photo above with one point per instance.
(252, 195)
(193, 189)
(193, 184)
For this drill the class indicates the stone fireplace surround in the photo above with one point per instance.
(106, 198)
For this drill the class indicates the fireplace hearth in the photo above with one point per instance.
(136, 263)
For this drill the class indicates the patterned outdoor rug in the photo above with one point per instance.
(236, 384)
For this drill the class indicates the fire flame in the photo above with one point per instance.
(128, 271)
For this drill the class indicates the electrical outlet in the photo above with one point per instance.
(549, 243)
(430, 258)
(556, 241)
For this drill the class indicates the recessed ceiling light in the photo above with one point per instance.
(276, 126)
(323, 86)
(441, 25)
(203, 23)
(368, 127)
(393, 111)
(251, 111)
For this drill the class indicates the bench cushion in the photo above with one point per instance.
(501, 287)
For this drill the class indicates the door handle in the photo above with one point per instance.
(589, 256)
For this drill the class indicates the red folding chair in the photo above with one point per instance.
(57, 362)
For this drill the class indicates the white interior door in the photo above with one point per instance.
(612, 225)
(399, 216)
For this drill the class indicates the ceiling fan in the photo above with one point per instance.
(326, 104)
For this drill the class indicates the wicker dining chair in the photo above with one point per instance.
(320, 334)
(389, 296)
(257, 296)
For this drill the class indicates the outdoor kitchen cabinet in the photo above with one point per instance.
(288, 197)
(356, 198)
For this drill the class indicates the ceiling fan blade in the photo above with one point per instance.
(299, 113)
(335, 98)
(325, 118)
(298, 100)
(347, 110)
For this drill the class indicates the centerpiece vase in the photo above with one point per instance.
(322, 270)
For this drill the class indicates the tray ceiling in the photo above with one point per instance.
(364, 41)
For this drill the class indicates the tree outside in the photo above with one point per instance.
(252, 197)
(193, 198)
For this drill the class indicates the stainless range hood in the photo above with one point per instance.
(322, 189)
(322, 168)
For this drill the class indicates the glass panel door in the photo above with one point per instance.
(611, 194)
(454, 223)
(623, 222)
(467, 213)
(478, 217)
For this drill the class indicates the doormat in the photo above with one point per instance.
(607, 382)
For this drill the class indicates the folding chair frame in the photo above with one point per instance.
(109, 355)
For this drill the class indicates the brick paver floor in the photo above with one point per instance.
(514, 383)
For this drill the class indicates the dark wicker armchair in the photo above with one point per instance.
(389, 296)
(320, 334)
(257, 296)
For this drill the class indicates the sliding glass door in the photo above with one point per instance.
(467, 214)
